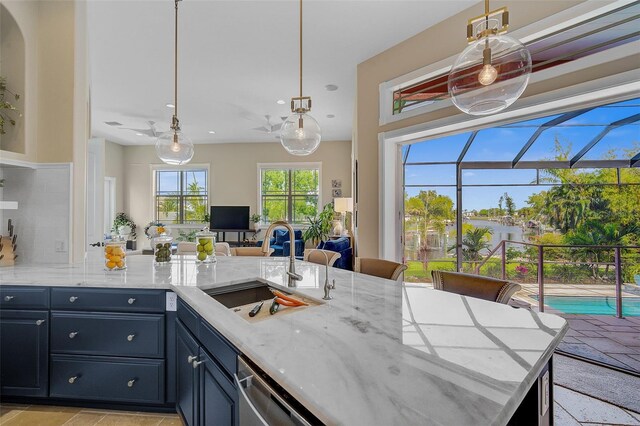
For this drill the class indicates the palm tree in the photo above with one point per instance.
(473, 242)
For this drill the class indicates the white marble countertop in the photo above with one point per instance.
(380, 353)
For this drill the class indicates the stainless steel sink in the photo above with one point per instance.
(242, 297)
(241, 294)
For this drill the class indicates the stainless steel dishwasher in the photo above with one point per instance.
(260, 404)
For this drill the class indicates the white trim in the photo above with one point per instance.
(31, 165)
(611, 89)
(592, 93)
(528, 33)
(288, 166)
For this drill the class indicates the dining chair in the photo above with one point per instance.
(186, 247)
(379, 268)
(250, 251)
(317, 256)
(487, 288)
(223, 249)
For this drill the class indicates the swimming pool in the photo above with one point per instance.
(592, 305)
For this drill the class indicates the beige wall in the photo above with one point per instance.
(233, 177)
(114, 167)
(432, 45)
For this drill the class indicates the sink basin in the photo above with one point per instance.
(242, 297)
(241, 294)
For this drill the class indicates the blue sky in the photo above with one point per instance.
(503, 144)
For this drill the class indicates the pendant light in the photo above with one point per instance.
(173, 147)
(300, 132)
(493, 71)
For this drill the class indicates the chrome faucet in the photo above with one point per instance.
(291, 273)
(327, 286)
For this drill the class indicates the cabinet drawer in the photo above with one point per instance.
(107, 379)
(95, 333)
(218, 346)
(23, 297)
(101, 299)
(188, 317)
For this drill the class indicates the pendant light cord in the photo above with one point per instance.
(301, 49)
(175, 66)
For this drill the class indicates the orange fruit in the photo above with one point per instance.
(115, 259)
(108, 249)
(111, 265)
(120, 264)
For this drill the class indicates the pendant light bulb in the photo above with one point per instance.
(488, 75)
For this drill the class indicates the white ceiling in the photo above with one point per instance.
(237, 58)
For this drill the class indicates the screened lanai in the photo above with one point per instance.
(586, 161)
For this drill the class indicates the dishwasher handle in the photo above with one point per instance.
(253, 383)
(256, 417)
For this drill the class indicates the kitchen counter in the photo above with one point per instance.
(378, 353)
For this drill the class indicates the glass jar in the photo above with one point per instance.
(206, 246)
(162, 248)
(115, 254)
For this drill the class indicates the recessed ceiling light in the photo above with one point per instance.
(331, 87)
(212, 132)
(139, 134)
(171, 106)
(280, 102)
(330, 116)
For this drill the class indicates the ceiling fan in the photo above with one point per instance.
(151, 132)
(268, 127)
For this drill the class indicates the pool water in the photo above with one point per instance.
(591, 305)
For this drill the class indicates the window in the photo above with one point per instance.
(289, 193)
(181, 195)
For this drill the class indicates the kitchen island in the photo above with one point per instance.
(379, 353)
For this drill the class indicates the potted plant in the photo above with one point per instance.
(5, 105)
(320, 226)
(125, 227)
(255, 220)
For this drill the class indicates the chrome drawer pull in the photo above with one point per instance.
(191, 358)
(8, 298)
(131, 300)
(39, 322)
(130, 337)
(73, 299)
(196, 363)
(73, 379)
(73, 334)
(131, 382)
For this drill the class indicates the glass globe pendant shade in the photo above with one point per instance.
(489, 75)
(174, 148)
(300, 134)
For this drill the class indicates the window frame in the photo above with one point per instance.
(290, 197)
(155, 168)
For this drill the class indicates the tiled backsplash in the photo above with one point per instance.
(42, 218)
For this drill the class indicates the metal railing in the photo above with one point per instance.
(617, 264)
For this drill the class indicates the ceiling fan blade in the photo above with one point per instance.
(262, 129)
(146, 132)
(276, 127)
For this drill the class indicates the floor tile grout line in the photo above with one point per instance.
(567, 411)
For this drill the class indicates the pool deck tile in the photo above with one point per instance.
(580, 325)
(607, 346)
(619, 328)
(627, 339)
(591, 333)
(627, 360)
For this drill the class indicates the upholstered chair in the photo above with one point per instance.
(476, 286)
(380, 268)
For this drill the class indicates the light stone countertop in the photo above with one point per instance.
(380, 353)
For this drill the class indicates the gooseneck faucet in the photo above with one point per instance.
(327, 286)
(291, 273)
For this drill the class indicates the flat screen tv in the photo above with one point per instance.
(229, 217)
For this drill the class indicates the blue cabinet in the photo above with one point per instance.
(24, 353)
(188, 387)
(206, 363)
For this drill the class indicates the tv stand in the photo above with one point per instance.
(240, 232)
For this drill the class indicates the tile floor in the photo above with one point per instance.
(43, 415)
(573, 408)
